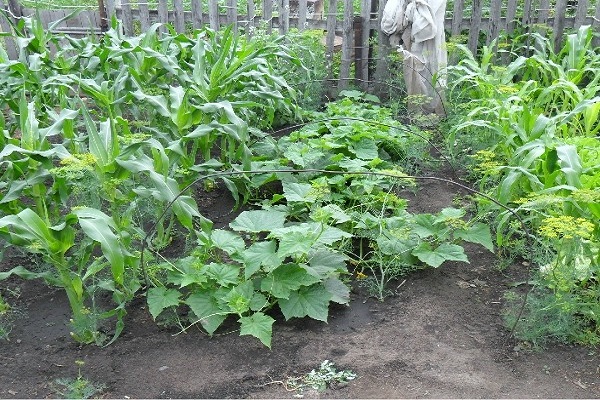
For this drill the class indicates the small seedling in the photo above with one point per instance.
(319, 379)
(78, 388)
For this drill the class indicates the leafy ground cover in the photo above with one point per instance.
(113, 150)
(536, 123)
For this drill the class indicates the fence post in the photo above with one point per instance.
(544, 12)
(582, 8)
(179, 18)
(284, 16)
(596, 24)
(495, 21)
(127, 18)
(11, 49)
(347, 45)
(559, 23)
(362, 45)
(268, 14)
(232, 14)
(330, 39)
(197, 17)
(511, 12)
(475, 25)
(144, 16)
(213, 14)
(302, 11)
(163, 15)
(383, 50)
(457, 16)
(251, 16)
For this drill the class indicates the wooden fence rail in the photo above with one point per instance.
(355, 31)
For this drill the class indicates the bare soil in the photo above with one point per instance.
(440, 336)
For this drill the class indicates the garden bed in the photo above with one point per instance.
(441, 335)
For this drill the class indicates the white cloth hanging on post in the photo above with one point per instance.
(420, 24)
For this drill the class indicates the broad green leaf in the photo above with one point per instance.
(26, 274)
(167, 190)
(187, 271)
(298, 192)
(392, 246)
(312, 301)
(240, 297)
(97, 226)
(97, 147)
(260, 254)
(444, 252)
(258, 221)
(258, 325)
(296, 243)
(206, 308)
(259, 301)
(227, 241)
(323, 263)
(329, 234)
(340, 292)
(570, 164)
(477, 233)
(332, 211)
(224, 274)
(160, 298)
(425, 225)
(450, 213)
(285, 279)
(366, 149)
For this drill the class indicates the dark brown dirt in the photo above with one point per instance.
(441, 336)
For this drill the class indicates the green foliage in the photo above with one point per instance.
(77, 388)
(537, 119)
(225, 276)
(319, 379)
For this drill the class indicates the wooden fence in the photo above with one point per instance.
(355, 31)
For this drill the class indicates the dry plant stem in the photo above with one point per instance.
(528, 234)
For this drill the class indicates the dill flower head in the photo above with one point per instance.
(75, 167)
(566, 227)
(586, 195)
(486, 162)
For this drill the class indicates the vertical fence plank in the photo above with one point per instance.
(213, 14)
(268, 14)
(347, 44)
(197, 14)
(232, 14)
(163, 14)
(457, 16)
(559, 23)
(302, 11)
(596, 24)
(511, 12)
(365, 16)
(10, 46)
(582, 10)
(127, 18)
(475, 25)
(527, 9)
(144, 16)
(495, 16)
(544, 12)
(178, 16)
(381, 73)
(284, 17)
(111, 10)
(251, 16)
(330, 39)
